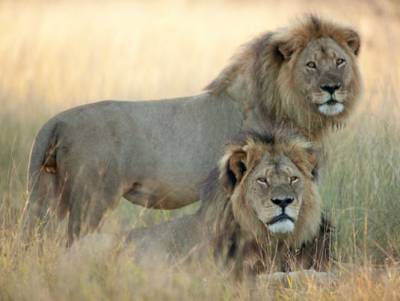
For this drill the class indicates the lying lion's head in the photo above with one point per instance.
(271, 187)
(275, 191)
(306, 74)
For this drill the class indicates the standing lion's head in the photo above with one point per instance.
(318, 65)
(306, 74)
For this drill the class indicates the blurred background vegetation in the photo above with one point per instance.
(58, 54)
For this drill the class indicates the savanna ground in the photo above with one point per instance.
(58, 54)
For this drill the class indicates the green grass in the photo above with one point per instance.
(360, 187)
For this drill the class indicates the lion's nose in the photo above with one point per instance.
(331, 88)
(282, 202)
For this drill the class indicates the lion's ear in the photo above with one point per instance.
(285, 49)
(232, 168)
(353, 40)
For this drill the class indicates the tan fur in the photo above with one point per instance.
(156, 153)
(257, 249)
(229, 224)
(262, 75)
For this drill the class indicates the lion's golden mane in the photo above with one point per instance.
(261, 74)
(239, 240)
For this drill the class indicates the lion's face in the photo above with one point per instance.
(324, 75)
(275, 189)
(306, 75)
(268, 182)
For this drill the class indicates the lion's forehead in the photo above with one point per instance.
(323, 48)
(276, 165)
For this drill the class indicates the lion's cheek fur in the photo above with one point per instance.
(355, 87)
(246, 217)
(309, 217)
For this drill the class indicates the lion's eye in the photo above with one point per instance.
(293, 179)
(262, 181)
(311, 65)
(340, 62)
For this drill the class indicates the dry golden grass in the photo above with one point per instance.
(57, 54)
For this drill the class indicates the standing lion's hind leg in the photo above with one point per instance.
(89, 202)
(42, 200)
(74, 223)
(42, 183)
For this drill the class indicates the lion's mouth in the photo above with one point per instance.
(281, 224)
(280, 218)
(331, 102)
(331, 107)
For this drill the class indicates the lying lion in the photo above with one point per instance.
(156, 153)
(260, 211)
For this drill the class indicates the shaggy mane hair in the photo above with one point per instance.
(262, 73)
(239, 240)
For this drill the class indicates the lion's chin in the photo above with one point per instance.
(281, 227)
(331, 109)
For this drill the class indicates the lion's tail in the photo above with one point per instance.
(42, 172)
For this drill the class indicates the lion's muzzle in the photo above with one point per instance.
(331, 108)
(284, 219)
(331, 88)
(282, 202)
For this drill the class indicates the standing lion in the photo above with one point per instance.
(155, 153)
(261, 211)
